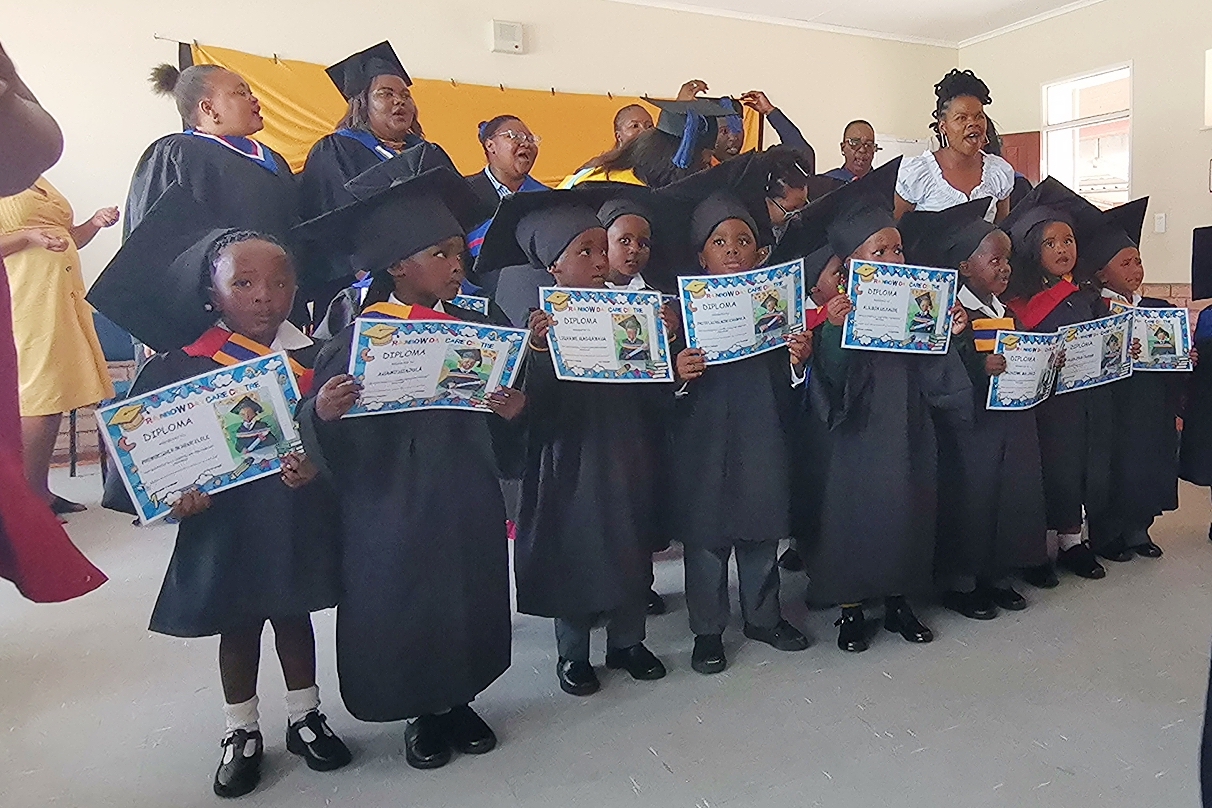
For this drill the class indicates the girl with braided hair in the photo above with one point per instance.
(960, 170)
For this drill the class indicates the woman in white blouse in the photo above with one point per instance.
(960, 171)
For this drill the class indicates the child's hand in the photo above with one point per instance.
(298, 470)
(191, 503)
(995, 365)
(507, 402)
(1134, 349)
(336, 397)
(540, 323)
(959, 319)
(1060, 359)
(1194, 354)
(691, 363)
(800, 346)
(838, 309)
(673, 320)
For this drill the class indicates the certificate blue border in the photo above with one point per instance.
(1122, 371)
(793, 270)
(275, 364)
(1181, 319)
(472, 303)
(514, 338)
(636, 299)
(925, 274)
(994, 402)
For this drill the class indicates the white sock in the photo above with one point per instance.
(1068, 540)
(242, 716)
(301, 702)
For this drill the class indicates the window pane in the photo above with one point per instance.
(1093, 160)
(1104, 94)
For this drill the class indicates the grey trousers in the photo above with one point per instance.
(707, 585)
(625, 627)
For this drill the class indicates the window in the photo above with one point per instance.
(1088, 133)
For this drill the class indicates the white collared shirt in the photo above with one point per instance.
(288, 338)
(1110, 295)
(436, 306)
(636, 284)
(968, 299)
(502, 191)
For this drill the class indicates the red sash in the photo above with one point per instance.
(400, 311)
(228, 348)
(1033, 312)
(814, 318)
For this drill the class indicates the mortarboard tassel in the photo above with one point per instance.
(695, 124)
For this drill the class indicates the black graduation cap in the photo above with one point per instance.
(391, 225)
(630, 323)
(1052, 201)
(355, 73)
(1121, 228)
(155, 287)
(1201, 263)
(247, 403)
(411, 162)
(614, 209)
(815, 263)
(694, 122)
(535, 228)
(844, 218)
(470, 353)
(944, 238)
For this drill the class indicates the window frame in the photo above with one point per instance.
(1093, 120)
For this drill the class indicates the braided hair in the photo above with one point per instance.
(957, 84)
(231, 238)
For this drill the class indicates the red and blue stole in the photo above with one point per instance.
(229, 348)
(243, 146)
(400, 311)
(1034, 311)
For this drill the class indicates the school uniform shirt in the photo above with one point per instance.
(589, 517)
(424, 622)
(991, 489)
(1195, 456)
(920, 182)
(261, 550)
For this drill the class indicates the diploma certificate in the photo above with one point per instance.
(899, 308)
(1096, 353)
(1164, 336)
(733, 317)
(1031, 361)
(472, 303)
(607, 335)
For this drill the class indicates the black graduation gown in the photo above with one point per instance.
(589, 514)
(1144, 466)
(236, 191)
(810, 457)
(1195, 458)
(516, 291)
(1075, 431)
(991, 488)
(877, 521)
(731, 469)
(262, 550)
(424, 623)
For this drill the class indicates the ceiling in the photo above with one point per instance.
(951, 23)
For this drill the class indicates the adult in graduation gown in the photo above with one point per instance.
(424, 622)
(1195, 453)
(991, 494)
(1075, 429)
(588, 517)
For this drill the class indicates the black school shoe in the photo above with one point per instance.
(1079, 560)
(708, 655)
(467, 732)
(320, 748)
(1041, 577)
(900, 619)
(240, 769)
(577, 678)
(1116, 551)
(783, 637)
(656, 603)
(852, 630)
(637, 660)
(1004, 597)
(975, 605)
(1148, 550)
(425, 744)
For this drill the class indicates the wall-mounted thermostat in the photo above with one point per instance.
(508, 37)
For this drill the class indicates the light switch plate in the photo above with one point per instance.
(1159, 223)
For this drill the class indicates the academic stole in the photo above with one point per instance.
(229, 348)
(243, 146)
(984, 331)
(1032, 312)
(400, 311)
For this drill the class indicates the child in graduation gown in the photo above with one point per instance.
(991, 494)
(1075, 429)
(1144, 459)
(588, 519)
(264, 550)
(731, 471)
(424, 622)
(1195, 451)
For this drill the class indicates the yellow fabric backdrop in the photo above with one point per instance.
(301, 105)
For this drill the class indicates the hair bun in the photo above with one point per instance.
(164, 79)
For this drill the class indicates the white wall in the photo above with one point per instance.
(88, 62)
(1171, 149)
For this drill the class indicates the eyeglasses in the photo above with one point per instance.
(859, 144)
(391, 95)
(520, 137)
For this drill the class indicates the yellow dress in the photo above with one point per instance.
(59, 360)
(599, 175)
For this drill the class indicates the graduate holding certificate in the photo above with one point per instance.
(261, 551)
(423, 626)
(899, 308)
(607, 335)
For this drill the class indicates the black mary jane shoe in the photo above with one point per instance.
(1041, 577)
(637, 660)
(791, 561)
(708, 656)
(240, 769)
(577, 677)
(311, 739)
(425, 744)
(467, 732)
(1004, 597)
(783, 637)
(975, 605)
(1116, 551)
(1148, 550)
(852, 631)
(900, 619)
(656, 603)
(1080, 560)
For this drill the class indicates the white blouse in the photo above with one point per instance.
(920, 182)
